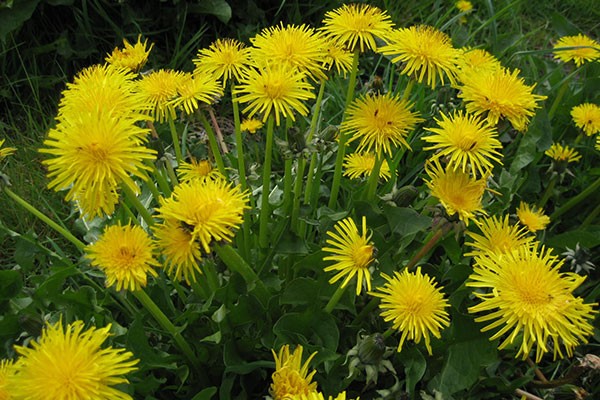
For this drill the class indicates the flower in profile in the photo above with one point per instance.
(209, 209)
(468, 142)
(291, 376)
(195, 169)
(531, 217)
(251, 125)
(7, 371)
(337, 56)
(126, 256)
(500, 94)
(132, 57)
(5, 151)
(524, 294)
(458, 192)
(579, 49)
(380, 122)
(353, 253)
(180, 249)
(475, 61)
(196, 89)
(94, 153)
(359, 165)
(159, 89)
(498, 236)
(424, 51)
(415, 305)
(224, 58)
(298, 46)
(278, 89)
(69, 363)
(563, 154)
(357, 24)
(587, 117)
(319, 396)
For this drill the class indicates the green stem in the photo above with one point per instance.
(388, 333)
(212, 279)
(64, 232)
(212, 141)
(335, 298)
(296, 192)
(367, 310)
(135, 201)
(175, 137)
(316, 113)
(575, 200)
(590, 218)
(374, 177)
(310, 181)
(430, 244)
(171, 173)
(337, 173)
(408, 89)
(549, 191)
(236, 263)
(167, 325)
(239, 143)
(161, 180)
(265, 212)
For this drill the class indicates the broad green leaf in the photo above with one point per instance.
(587, 239)
(414, 367)
(12, 18)
(218, 8)
(300, 291)
(406, 221)
(10, 284)
(206, 394)
(312, 326)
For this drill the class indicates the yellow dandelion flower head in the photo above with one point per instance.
(357, 25)
(498, 236)
(457, 191)
(475, 61)
(181, 251)
(92, 154)
(224, 58)
(499, 94)
(197, 169)
(277, 88)
(425, 52)
(468, 142)
(298, 46)
(103, 88)
(358, 165)
(211, 209)
(159, 89)
(131, 57)
(126, 256)
(563, 154)
(380, 122)
(352, 253)
(320, 396)
(251, 125)
(69, 363)
(415, 305)
(529, 301)
(464, 5)
(291, 376)
(7, 371)
(587, 117)
(337, 56)
(196, 89)
(579, 49)
(531, 217)
(5, 151)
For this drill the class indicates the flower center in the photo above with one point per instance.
(362, 255)
(274, 90)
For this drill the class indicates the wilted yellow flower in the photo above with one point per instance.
(380, 122)
(126, 256)
(196, 89)
(194, 169)
(583, 49)
(160, 89)
(415, 306)
(468, 142)
(5, 151)
(560, 153)
(291, 376)
(587, 117)
(224, 58)
(531, 217)
(180, 249)
(132, 57)
(500, 93)
(424, 51)
(361, 164)
(498, 236)
(251, 125)
(357, 24)
(7, 371)
(531, 302)
(70, 363)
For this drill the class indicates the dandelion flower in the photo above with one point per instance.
(467, 141)
(224, 58)
(464, 5)
(529, 301)
(458, 192)
(380, 122)
(160, 89)
(210, 209)
(587, 117)
(94, 153)
(194, 169)
(499, 94)
(291, 376)
(196, 89)
(125, 255)
(69, 363)
(353, 253)
(7, 371)
(357, 24)
(415, 306)
(562, 154)
(277, 88)
(337, 56)
(180, 249)
(359, 165)
(251, 125)
(132, 57)
(583, 49)
(5, 151)
(498, 236)
(424, 51)
(298, 46)
(531, 217)
(476, 61)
